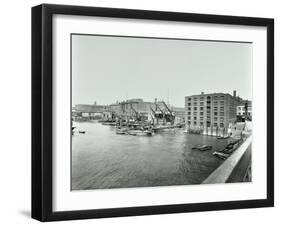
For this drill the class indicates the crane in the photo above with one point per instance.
(136, 113)
(169, 117)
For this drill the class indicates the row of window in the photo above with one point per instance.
(202, 103)
(195, 98)
(244, 113)
(220, 102)
(202, 108)
(221, 113)
(195, 103)
(221, 119)
(208, 124)
(218, 97)
(202, 98)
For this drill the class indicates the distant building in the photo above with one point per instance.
(211, 110)
(157, 111)
(88, 111)
(132, 108)
(90, 108)
(244, 108)
(180, 114)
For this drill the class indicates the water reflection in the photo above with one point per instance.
(103, 159)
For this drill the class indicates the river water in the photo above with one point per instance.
(103, 159)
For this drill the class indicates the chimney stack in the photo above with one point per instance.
(202, 93)
(234, 93)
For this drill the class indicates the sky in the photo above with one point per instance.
(107, 69)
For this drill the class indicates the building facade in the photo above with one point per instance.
(180, 114)
(244, 108)
(88, 111)
(132, 108)
(90, 108)
(215, 110)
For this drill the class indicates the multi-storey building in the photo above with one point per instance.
(244, 108)
(211, 110)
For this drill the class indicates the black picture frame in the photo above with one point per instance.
(42, 107)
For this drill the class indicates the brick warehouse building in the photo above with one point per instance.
(212, 112)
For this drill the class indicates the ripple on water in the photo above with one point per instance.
(103, 159)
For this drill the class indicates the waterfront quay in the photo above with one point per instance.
(102, 159)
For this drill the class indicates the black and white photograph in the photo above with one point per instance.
(144, 112)
(152, 111)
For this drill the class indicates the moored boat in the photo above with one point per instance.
(122, 131)
(221, 155)
(109, 123)
(228, 150)
(202, 147)
(140, 132)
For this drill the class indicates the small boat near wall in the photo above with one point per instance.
(228, 150)
(202, 147)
